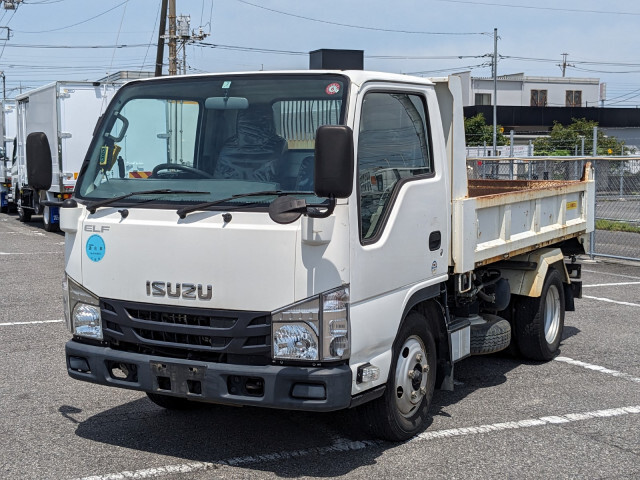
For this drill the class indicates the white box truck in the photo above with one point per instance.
(307, 240)
(8, 131)
(54, 128)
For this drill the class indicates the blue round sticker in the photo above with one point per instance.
(95, 248)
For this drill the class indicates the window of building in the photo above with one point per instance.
(538, 98)
(393, 145)
(483, 99)
(574, 98)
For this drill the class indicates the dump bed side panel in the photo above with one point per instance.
(494, 226)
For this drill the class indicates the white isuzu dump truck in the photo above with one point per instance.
(307, 240)
(54, 128)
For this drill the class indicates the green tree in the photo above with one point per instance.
(477, 132)
(563, 140)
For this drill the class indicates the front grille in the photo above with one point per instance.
(198, 320)
(222, 336)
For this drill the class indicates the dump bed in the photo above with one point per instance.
(497, 219)
(502, 218)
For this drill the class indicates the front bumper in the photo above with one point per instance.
(296, 388)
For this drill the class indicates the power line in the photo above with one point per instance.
(572, 10)
(136, 45)
(74, 24)
(581, 62)
(359, 26)
(429, 72)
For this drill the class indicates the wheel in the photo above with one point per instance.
(402, 411)
(169, 402)
(540, 321)
(178, 166)
(49, 226)
(4, 209)
(13, 207)
(490, 337)
(23, 214)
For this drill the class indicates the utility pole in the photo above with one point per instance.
(186, 36)
(172, 38)
(564, 64)
(495, 91)
(179, 30)
(161, 30)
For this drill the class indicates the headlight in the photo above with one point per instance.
(82, 311)
(316, 329)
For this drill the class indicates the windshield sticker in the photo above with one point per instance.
(95, 248)
(226, 84)
(332, 88)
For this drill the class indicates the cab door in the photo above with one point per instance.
(403, 211)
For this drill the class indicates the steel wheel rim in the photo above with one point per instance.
(412, 373)
(45, 215)
(552, 314)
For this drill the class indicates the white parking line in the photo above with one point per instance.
(597, 368)
(344, 445)
(612, 301)
(611, 284)
(35, 322)
(30, 253)
(612, 274)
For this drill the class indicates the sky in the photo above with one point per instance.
(51, 40)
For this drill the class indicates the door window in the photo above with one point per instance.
(393, 146)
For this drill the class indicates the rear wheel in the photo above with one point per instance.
(49, 226)
(171, 403)
(540, 320)
(23, 214)
(402, 411)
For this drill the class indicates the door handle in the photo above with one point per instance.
(435, 239)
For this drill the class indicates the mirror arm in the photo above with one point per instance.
(330, 208)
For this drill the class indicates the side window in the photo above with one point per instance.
(393, 145)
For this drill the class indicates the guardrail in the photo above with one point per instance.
(617, 180)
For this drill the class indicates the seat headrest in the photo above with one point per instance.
(255, 126)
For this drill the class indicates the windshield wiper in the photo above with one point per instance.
(92, 207)
(184, 211)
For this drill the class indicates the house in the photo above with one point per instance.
(530, 105)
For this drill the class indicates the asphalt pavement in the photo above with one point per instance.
(577, 416)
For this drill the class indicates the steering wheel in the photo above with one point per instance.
(178, 166)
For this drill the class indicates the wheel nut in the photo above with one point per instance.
(419, 357)
(425, 367)
(423, 390)
(412, 373)
(414, 395)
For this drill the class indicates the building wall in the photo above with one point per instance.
(509, 91)
(515, 90)
(557, 90)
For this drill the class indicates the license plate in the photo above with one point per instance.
(178, 378)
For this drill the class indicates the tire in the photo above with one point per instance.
(171, 403)
(23, 215)
(4, 209)
(540, 321)
(402, 411)
(490, 337)
(46, 217)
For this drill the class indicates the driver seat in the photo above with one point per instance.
(255, 151)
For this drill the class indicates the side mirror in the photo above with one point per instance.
(333, 175)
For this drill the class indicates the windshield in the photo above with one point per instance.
(213, 137)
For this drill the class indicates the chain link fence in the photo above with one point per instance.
(617, 179)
